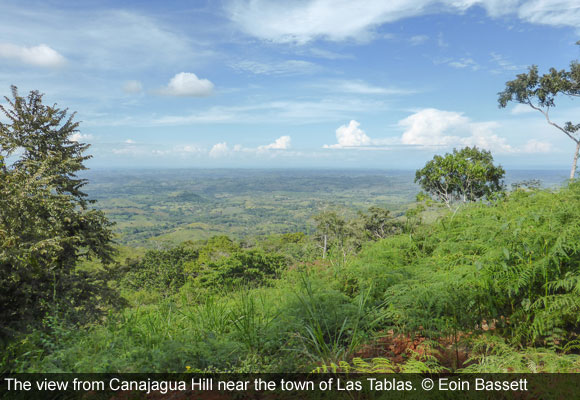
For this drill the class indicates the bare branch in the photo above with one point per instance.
(546, 114)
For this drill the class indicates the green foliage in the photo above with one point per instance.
(464, 175)
(514, 262)
(378, 223)
(242, 268)
(417, 364)
(331, 229)
(46, 225)
(247, 205)
(506, 268)
(215, 265)
(329, 325)
(296, 247)
(341, 238)
(162, 270)
(217, 248)
(490, 354)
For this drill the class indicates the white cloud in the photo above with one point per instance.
(292, 112)
(130, 141)
(329, 55)
(40, 56)
(133, 87)
(522, 109)
(361, 87)
(537, 146)
(288, 67)
(188, 84)
(551, 12)
(464, 63)
(418, 39)
(190, 149)
(337, 20)
(133, 151)
(219, 150)
(109, 39)
(183, 151)
(78, 137)
(282, 143)
(301, 22)
(503, 64)
(432, 128)
(350, 136)
(440, 41)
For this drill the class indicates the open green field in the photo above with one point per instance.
(161, 208)
(153, 208)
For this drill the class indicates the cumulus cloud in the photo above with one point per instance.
(40, 56)
(282, 143)
(431, 128)
(435, 129)
(133, 87)
(219, 150)
(350, 136)
(187, 84)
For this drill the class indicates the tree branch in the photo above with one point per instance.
(545, 113)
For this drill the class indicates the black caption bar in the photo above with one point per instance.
(288, 386)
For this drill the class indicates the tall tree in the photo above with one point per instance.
(464, 175)
(331, 229)
(540, 92)
(378, 223)
(46, 223)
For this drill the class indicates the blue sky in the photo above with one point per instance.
(317, 83)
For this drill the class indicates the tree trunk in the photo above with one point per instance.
(324, 251)
(573, 171)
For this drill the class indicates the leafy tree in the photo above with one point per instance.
(46, 225)
(378, 223)
(241, 268)
(331, 229)
(462, 176)
(540, 92)
(338, 237)
(216, 248)
(161, 270)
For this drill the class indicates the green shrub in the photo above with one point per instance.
(162, 270)
(242, 268)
